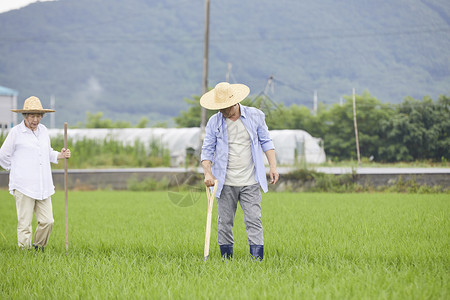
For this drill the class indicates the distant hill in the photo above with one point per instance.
(139, 58)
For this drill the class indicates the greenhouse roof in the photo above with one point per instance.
(290, 145)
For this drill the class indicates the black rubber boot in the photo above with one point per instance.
(257, 252)
(226, 251)
(37, 248)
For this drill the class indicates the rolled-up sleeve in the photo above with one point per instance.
(263, 134)
(209, 142)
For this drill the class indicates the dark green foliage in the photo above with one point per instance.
(192, 117)
(418, 130)
(339, 136)
(410, 131)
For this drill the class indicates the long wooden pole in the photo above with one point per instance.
(356, 128)
(209, 217)
(205, 69)
(65, 191)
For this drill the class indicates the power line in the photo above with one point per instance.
(383, 106)
(295, 88)
(163, 40)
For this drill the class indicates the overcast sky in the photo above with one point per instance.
(6, 5)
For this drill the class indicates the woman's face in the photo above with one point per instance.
(32, 120)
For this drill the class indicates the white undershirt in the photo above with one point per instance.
(240, 168)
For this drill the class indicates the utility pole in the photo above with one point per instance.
(13, 115)
(356, 128)
(205, 69)
(269, 83)
(315, 103)
(52, 116)
(265, 96)
(227, 77)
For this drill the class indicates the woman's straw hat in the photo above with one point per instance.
(224, 95)
(32, 106)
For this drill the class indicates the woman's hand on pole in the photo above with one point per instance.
(65, 153)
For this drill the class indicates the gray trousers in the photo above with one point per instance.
(250, 199)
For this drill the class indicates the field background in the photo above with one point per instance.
(317, 245)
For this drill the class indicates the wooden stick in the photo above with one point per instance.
(208, 218)
(65, 191)
(356, 129)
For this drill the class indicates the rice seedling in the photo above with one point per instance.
(317, 245)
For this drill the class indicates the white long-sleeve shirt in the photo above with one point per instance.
(27, 154)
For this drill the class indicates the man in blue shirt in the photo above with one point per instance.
(232, 149)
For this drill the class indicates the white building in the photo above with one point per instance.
(291, 146)
(8, 101)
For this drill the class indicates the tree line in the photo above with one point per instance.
(414, 130)
(410, 131)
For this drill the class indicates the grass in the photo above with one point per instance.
(317, 246)
(366, 163)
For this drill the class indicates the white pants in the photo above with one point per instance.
(44, 216)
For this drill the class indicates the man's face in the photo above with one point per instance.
(229, 111)
(32, 121)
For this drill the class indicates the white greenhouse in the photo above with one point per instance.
(291, 146)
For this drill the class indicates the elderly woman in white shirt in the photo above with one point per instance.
(26, 153)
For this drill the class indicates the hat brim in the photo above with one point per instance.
(239, 91)
(34, 111)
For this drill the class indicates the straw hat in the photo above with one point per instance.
(224, 95)
(32, 105)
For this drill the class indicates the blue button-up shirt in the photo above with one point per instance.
(215, 144)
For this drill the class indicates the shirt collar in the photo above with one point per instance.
(24, 128)
(243, 110)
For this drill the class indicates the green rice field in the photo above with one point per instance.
(140, 245)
